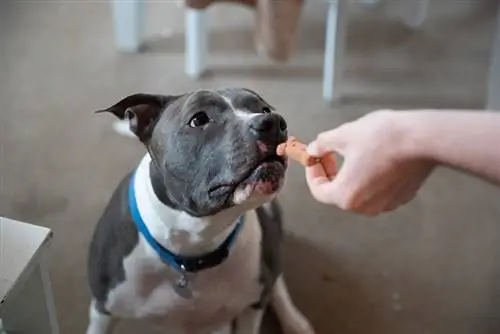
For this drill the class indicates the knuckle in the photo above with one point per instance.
(347, 203)
(321, 197)
(345, 199)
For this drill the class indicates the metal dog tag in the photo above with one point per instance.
(182, 286)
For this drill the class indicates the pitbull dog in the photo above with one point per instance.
(191, 238)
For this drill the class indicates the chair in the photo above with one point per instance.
(336, 29)
(128, 17)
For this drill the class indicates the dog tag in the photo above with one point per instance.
(182, 286)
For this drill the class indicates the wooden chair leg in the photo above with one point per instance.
(196, 42)
(127, 23)
(277, 22)
(336, 29)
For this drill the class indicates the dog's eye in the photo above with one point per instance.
(199, 119)
(266, 110)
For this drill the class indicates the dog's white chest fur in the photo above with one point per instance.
(219, 294)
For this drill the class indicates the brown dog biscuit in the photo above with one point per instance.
(297, 151)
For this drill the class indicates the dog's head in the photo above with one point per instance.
(212, 150)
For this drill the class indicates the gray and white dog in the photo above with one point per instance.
(191, 238)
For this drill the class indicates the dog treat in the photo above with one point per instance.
(297, 151)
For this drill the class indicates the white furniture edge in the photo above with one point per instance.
(493, 95)
(335, 39)
(28, 268)
(128, 23)
(39, 260)
(336, 29)
(49, 300)
(196, 42)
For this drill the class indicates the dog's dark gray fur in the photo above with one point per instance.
(219, 156)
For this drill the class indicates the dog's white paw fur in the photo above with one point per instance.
(298, 325)
(291, 319)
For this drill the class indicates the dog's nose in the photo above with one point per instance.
(269, 124)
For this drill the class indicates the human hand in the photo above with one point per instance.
(380, 171)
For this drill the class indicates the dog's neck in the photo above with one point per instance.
(175, 230)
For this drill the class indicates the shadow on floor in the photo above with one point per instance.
(325, 292)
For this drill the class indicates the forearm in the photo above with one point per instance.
(466, 140)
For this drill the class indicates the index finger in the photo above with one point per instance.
(320, 184)
(328, 162)
(315, 172)
(338, 190)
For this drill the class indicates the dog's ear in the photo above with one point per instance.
(142, 112)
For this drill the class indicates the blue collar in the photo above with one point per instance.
(182, 263)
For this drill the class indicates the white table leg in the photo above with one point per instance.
(1, 328)
(369, 3)
(196, 42)
(493, 98)
(416, 13)
(336, 28)
(49, 297)
(31, 307)
(127, 24)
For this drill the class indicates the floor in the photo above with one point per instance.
(430, 267)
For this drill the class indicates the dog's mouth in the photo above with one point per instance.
(272, 158)
(264, 178)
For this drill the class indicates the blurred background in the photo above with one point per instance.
(430, 267)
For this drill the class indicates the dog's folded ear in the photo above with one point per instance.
(142, 111)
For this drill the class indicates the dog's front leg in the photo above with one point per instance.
(227, 329)
(249, 322)
(99, 323)
(291, 319)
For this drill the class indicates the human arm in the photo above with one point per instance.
(388, 155)
(464, 140)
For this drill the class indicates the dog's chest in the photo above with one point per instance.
(218, 294)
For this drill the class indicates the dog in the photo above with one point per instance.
(191, 238)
